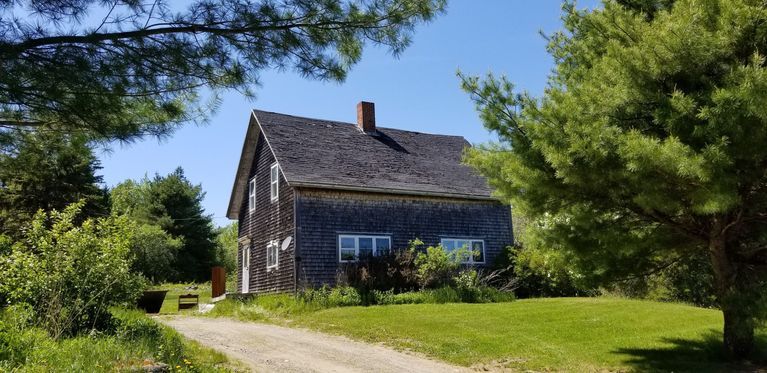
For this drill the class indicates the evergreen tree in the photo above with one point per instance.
(120, 69)
(42, 171)
(647, 147)
(174, 204)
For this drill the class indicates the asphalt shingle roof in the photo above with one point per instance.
(314, 152)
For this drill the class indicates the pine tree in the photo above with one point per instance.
(648, 145)
(121, 69)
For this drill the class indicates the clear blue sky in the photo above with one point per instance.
(418, 91)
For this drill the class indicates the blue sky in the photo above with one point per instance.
(418, 91)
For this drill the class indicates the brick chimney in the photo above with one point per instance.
(366, 116)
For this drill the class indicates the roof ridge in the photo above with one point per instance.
(256, 111)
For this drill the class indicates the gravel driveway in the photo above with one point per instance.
(266, 348)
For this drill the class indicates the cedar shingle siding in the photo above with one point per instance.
(336, 179)
(323, 215)
(270, 221)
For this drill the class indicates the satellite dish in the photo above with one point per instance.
(286, 243)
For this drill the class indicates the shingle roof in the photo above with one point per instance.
(328, 154)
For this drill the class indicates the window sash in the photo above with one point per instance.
(272, 254)
(274, 183)
(452, 244)
(350, 249)
(252, 194)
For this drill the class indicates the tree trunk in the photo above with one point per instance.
(738, 323)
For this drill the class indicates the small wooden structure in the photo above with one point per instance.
(188, 301)
(218, 282)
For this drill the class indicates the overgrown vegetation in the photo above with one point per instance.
(131, 342)
(68, 274)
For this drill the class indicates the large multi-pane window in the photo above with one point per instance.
(353, 247)
(474, 249)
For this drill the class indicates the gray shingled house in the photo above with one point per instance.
(310, 194)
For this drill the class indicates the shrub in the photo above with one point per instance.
(133, 325)
(70, 274)
(395, 270)
(436, 266)
(545, 273)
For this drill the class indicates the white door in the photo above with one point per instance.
(245, 268)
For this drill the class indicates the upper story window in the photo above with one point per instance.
(353, 247)
(275, 182)
(475, 248)
(272, 254)
(252, 194)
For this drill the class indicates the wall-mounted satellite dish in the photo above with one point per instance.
(286, 243)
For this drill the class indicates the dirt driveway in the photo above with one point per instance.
(267, 348)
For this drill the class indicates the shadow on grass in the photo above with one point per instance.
(692, 355)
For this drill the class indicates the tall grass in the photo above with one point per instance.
(134, 341)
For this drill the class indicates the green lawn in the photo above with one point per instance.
(170, 305)
(572, 334)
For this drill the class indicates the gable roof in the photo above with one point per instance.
(334, 155)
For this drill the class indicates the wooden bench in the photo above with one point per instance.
(188, 301)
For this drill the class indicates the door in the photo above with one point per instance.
(245, 268)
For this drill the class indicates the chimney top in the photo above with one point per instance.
(366, 116)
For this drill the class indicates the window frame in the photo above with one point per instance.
(374, 238)
(471, 241)
(273, 245)
(274, 182)
(252, 194)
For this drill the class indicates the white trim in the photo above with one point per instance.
(356, 248)
(245, 265)
(471, 248)
(275, 245)
(252, 194)
(274, 182)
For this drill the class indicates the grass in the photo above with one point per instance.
(570, 334)
(144, 342)
(170, 305)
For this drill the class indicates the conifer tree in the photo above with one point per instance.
(647, 146)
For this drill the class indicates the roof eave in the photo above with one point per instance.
(352, 188)
(243, 168)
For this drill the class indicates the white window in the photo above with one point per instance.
(272, 254)
(252, 194)
(353, 247)
(275, 182)
(475, 249)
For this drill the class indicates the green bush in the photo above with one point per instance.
(70, 275)
(436, 267)
(133, 325)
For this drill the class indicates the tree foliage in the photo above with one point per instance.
(174, 204)
(120, 69)
(43, 171)
(647, 146)
(227, 247)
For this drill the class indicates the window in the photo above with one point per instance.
(272, 254)
(353, 247)
(252, 194)
(475, 248)
(275, 182)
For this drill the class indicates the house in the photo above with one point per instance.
(310, 194)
